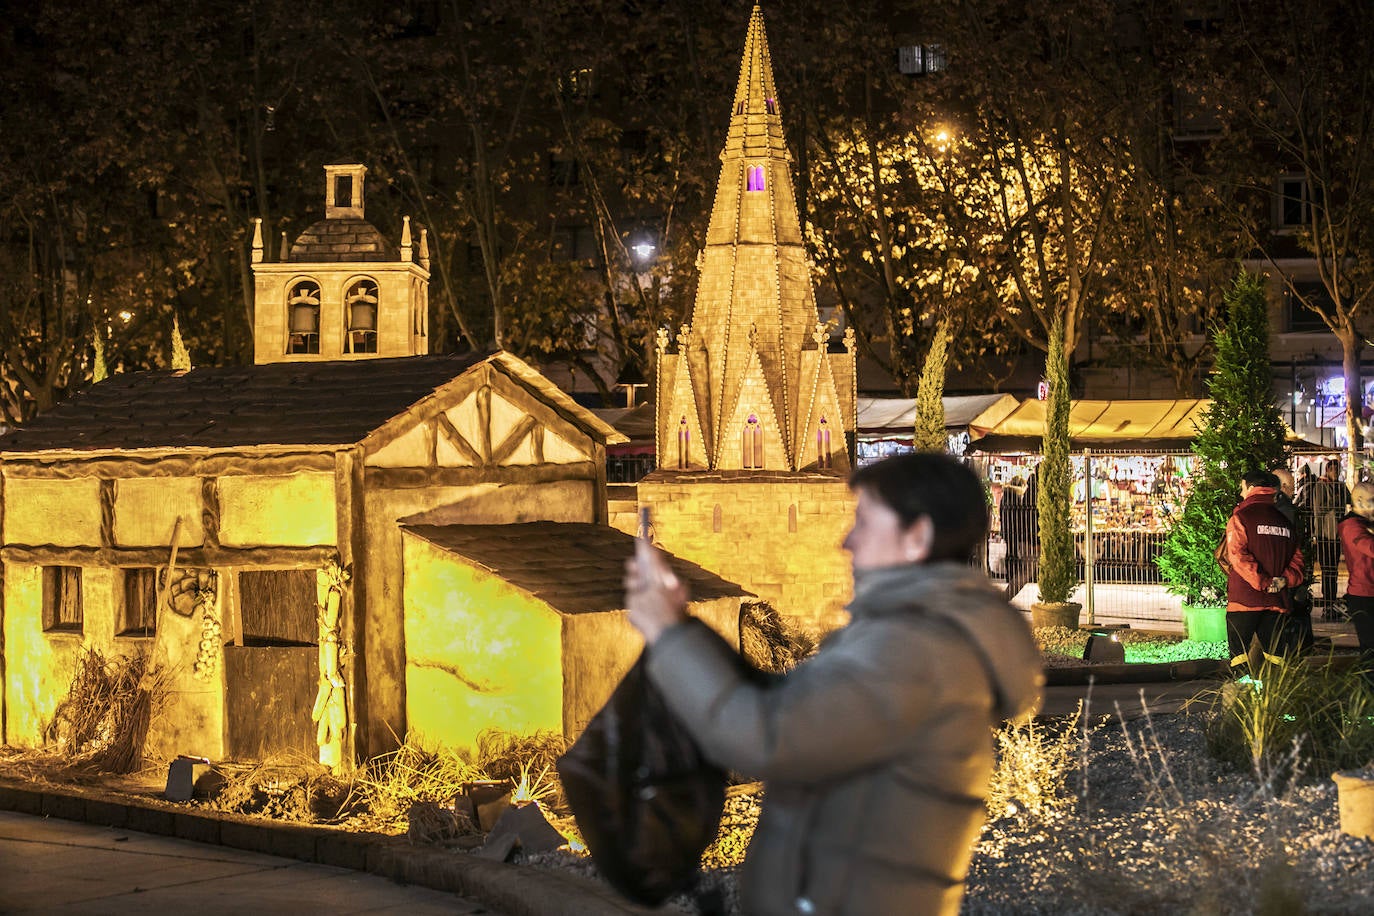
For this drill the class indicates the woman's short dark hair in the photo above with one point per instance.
(935, 486)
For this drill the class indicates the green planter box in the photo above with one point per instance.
(1205, 623)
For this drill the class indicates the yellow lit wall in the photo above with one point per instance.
(778, 537)
(480, 653)
(39, 665)
(38, 669)
(384, 626)
(64, 513)
(146, 509)
(290, 510)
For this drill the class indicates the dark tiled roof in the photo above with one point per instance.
(344, 238)
(298, 403)
(577, 568)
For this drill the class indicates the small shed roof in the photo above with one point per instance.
(336, 402)
(898, 415)
(1105, 424)
(574, 567)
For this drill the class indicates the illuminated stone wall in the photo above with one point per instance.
(484, 654)
(385, 642)
(479, 653)
(57, 521)
(777, 535)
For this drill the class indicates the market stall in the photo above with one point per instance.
(1131, 466)
(886, 425)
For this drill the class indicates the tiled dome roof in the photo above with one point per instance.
(342, 239)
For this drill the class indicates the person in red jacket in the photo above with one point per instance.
(1358, 540)
(1262, 548)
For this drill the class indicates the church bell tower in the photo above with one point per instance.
(342, 290)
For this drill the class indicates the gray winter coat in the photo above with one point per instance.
(876, 752)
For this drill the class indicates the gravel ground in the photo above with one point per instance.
(1145, 833)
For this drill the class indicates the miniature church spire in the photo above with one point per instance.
(755, 370)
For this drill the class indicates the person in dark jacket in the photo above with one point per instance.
(1330, 500)
(875, 752)
(1298, 634)
(1020, 520)
(1357, 537)
(1266, 564)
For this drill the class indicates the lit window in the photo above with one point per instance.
(917, 60)
(823, 444)
(755, 178)
(684, 443)
(577, 84)
(771, 106)
(303, 313)
(751, 445)
(62, 599)
(360, 305)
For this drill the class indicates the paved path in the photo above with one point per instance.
(62, 867)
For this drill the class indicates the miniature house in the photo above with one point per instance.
(280, 486)
(524, 626)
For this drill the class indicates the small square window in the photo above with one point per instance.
(62, 611)
(137, 614)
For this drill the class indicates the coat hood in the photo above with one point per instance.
(963, 597)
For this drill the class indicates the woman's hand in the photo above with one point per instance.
(657, 599)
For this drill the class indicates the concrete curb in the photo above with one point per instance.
(1136, 673)
(511, 890)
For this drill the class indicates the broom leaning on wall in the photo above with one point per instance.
(126, 755)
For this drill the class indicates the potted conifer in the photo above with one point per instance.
(1242, 431)
(1058, 565)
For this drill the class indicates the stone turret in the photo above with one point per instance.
(341, 290)
(749, 383)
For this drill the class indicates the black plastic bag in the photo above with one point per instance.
(648, 804)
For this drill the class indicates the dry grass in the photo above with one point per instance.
(769, 642)
(391, 784)
(1034, 760)
(291, 789)
(102, 723)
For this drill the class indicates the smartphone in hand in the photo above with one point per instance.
(644, 544)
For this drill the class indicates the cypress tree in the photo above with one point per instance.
(930, 433)
(181, 357)
(99, 370)
(1243, 431)
(1058, 576)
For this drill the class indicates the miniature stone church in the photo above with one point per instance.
(754, 411)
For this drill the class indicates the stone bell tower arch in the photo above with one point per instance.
(341, 290)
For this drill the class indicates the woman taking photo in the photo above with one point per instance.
(875, 752)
